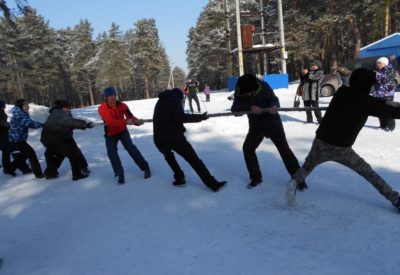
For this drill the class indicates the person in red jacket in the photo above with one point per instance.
(116, 116)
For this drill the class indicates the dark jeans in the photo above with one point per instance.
(193, 96)
(27, 152)
(56, 153)
(387, 123)
(112, 152)
(312, 103)
(182, 147)
(6, 152)
(254, 139)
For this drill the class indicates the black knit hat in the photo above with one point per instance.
(246, 84)
(178, 92)
(362, 80)
(20, 102)
(62, 104)
(109, 91)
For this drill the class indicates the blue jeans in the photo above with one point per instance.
(112, 152)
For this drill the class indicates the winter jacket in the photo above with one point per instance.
(385, 82)
(192, 87)
(168, 117)
(115, 119)
(263, 98)
(349, 109)
(59, 127)
(311, 85)
(4, 126)
(20, 124)
(207, 90)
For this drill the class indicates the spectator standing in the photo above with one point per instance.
(384, 89)
(192, 88)
(116, 116)
(311, 88)
(207, 92)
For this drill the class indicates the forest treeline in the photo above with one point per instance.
(40, 63)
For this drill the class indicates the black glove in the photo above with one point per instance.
(204, 116)
(89, 125)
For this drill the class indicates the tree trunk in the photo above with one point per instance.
(357, 38)
(90, 89)
(387, 17)
(146, 87)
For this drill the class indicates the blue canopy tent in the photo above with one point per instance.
(389, 45)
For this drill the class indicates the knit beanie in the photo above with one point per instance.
(317, 62)
(62, 104)
(362, 80)
(383, 60)
(109, 91)
(246, 84)
(178, 92)
(20, 102)
(2, 104)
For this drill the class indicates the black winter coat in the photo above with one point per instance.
(168, 117)
(4, 126)
(265, 98)
(349, 110)
(59, 127)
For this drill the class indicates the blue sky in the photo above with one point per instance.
(173, 18)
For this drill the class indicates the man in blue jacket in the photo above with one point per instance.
(251, 94)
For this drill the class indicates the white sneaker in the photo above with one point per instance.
(291, 192)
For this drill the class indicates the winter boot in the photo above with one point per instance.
(147, 173)
(179, 182)
(254, 183)
(216, 186)
(302, 186)
(121, 179)
(291, 192)
(79, 176)
(396, 203)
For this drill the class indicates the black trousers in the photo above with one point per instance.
(387, 123)
(254, 139)
(54, 159)
(56, 153)
(27, 152)
(312, 103)
(191, 97)
(182, 147)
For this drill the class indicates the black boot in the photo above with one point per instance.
(254, 183)
(216, 186)
(302, 186)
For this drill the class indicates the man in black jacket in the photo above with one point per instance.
(253, 94)
(346, 115)
(169, 136)
(57, 137)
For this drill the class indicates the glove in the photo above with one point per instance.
(204, 116)
(89, 125)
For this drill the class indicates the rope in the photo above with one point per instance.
(265, 110)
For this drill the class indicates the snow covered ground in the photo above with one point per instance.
(341, 225)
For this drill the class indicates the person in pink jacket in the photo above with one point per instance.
(207, 92)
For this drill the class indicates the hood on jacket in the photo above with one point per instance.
(171, 93)
(361, 80)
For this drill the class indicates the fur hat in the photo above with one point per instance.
(109, 91)
(246, 84)
(383, 60)
(2, 104)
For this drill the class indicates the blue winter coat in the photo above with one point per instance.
(20, 124)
